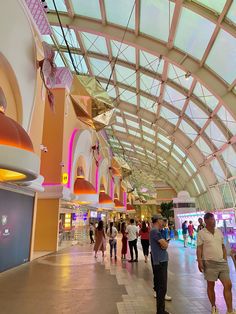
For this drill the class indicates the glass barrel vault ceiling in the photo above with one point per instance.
(172, 83)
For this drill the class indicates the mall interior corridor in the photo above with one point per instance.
(73, 281)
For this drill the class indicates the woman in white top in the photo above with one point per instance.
(112, 234)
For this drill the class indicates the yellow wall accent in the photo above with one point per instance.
(46, 227)
(53, 138)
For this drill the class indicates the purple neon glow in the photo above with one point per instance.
(70, 150)
(97, 179)
(111, 188)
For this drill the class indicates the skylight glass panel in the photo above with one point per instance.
(173, 97)
(148, 130)
(205, 96)
(196, 114)
(196, 186)
(126, 143)
(176, 158)
(203, 146)
(100, 68)
(128, 96)
(191, 165)
(215, 5)
(138, 147)
(229, 157)
(111, 91)
(164, 139)
(150, 85)
(148, 104)
(125, 75)
(169, 115)
(193, 33)
(164, 165)
(89, 8)
(217, 170)
(188, 130)
(123, 51)
(215, 134)
(48, 39)
(79, 62)
(159, 11)
(119, 128)
(187, 170)
(134, 133)
(70, 36)
(232, 12)
(118, 12)
(227, 119)
(149, 139)
(179, 76)
(130, 115)
(60, 5)
(179, 150)
(132, 123)
(201, 182)
(94, 43)
(58, 60)
(222, 61)
(151, 62)
(119, 119)
(163, 147)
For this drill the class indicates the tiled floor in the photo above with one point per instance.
(72, 281)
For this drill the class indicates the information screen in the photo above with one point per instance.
(16, 211)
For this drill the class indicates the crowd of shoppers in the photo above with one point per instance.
(211, 253)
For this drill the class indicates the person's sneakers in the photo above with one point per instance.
(131, 261)
(234, 312)
(168, 298)
(214, 310)
(136, 261)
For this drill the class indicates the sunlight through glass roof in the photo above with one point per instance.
(173, 82)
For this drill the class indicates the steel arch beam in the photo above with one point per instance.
(214, 83)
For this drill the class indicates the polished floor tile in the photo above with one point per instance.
(73, 281)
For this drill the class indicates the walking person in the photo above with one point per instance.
(112, 234)
(124, 241)
(132, 233)
(91, 232)
(100, 239)
(201, 225)
(144, 234)
(160, 262)
(212, 261)
(185, 232)
(191, 230)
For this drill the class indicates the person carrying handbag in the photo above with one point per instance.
(112, 234)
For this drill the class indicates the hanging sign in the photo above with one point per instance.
(64, 179)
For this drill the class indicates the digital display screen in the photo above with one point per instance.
(16, 211)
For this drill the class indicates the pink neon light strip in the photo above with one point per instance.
(70, 156)
(111, 188)
(97, 179)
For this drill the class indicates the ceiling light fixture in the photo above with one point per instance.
(18, 162)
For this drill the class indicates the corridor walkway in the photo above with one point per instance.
(73, 282)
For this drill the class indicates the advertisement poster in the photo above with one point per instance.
(16, 212)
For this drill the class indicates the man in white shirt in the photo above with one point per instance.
(132, 232)
(212, 261)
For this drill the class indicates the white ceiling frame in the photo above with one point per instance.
(211, 80)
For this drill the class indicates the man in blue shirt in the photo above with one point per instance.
(160, 262)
